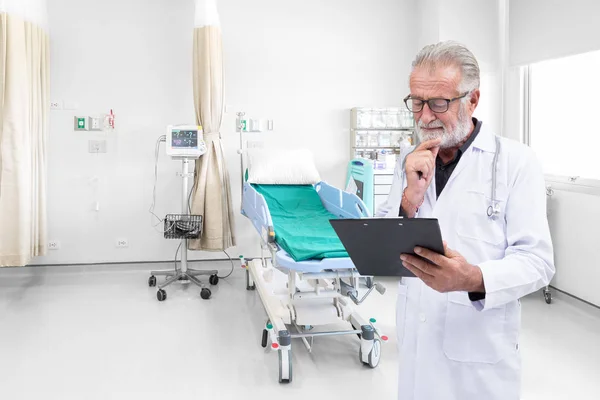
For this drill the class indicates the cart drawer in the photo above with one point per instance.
(382, 189)
(383, 179)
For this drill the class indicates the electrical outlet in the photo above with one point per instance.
(122, 243)
(97, 146)
(53, 245)
(95, 123)
(56, 105)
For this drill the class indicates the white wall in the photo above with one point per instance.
(479, 26)
(545, 29)
(427, 27)
(126, 56)
(304, 65)
(575, 228)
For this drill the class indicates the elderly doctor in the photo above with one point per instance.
(458, 322)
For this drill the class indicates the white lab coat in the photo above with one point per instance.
(452, 348)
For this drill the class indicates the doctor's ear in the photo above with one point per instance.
(474, 99)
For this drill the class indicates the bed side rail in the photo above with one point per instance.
(255, 208)
(340, 203)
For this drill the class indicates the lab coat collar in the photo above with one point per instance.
(485, 140)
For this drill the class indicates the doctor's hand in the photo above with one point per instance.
(449, 272)
(421, 161)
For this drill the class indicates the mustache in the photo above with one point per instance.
(432, 125)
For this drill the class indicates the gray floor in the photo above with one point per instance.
(98, 332)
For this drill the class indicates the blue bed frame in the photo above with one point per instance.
(336, 201)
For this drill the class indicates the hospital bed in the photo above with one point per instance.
(308, 286)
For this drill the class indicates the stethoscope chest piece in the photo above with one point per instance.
(493, 210)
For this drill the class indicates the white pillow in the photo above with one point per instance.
(282, 167)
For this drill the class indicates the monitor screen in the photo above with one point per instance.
(184, 139)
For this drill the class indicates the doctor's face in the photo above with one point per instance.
(453, 125)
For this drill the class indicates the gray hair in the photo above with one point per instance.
(451, 53)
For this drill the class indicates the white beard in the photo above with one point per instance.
(449, 139)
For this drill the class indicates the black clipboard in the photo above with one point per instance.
(375, 244)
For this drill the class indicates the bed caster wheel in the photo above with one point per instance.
(265, 338)
(369, 282)
(248, 286)
(285, 366)
(205, 293)
(213, 280)
(374, 355)
(152, 281)
(548, 297)
(161, 295)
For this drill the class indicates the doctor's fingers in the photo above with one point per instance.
(416, 263)
(430, 162)
(425, 156)
(432, 256)
(425, 165)
(426, 278)
(429, 144)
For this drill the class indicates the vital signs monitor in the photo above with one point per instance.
(185, 141)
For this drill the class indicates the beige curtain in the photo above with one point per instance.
(24, 103)
(212, 191)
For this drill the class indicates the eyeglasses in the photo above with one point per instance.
(436, 105)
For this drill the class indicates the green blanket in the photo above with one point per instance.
(301, 222)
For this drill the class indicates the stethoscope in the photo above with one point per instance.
(493, 210)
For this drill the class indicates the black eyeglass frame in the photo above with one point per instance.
(428, 101)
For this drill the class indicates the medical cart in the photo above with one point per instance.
(377, 135)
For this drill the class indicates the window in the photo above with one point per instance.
(565, 115)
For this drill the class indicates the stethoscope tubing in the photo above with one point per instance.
(492, 212)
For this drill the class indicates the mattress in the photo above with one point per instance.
(301, 222)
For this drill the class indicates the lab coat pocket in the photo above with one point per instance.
(474, 224)
(473, 336)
